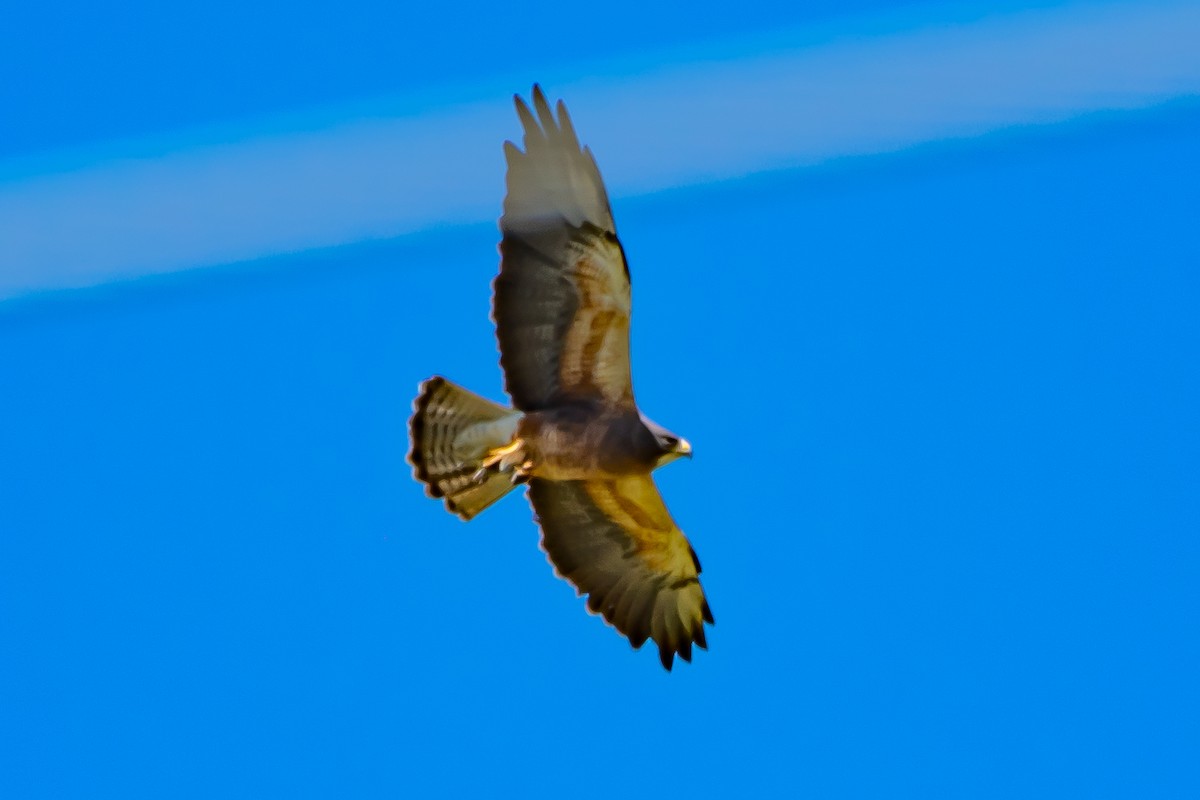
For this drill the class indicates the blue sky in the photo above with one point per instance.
(942, 396)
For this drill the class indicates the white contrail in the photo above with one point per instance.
(677, 125)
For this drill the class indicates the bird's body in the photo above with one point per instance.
(562, 305)
(588, 442)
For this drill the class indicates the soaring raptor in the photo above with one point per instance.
(574, 434)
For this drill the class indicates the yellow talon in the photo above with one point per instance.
(500, 455)
(509, 458)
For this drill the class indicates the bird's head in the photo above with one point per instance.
(670, 446)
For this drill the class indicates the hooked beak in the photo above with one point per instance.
(684, 448)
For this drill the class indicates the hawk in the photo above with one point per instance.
(574, 434)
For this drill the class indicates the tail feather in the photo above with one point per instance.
(451, 431)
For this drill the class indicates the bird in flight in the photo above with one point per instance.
(574, 434)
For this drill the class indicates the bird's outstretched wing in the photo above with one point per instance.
(616, 542)
(562, 298)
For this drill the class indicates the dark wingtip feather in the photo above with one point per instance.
(528, 121)
(545, 115)
(707, 614)
(667, 656)
(699, 636)
(564, 122)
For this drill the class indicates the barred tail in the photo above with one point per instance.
(451, 431)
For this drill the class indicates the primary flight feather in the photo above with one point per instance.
(561, 305)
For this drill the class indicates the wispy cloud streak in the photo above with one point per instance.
(679, 124)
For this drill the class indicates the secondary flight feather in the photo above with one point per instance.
(574, 434)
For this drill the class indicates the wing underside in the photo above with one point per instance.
(616, 542)
(562, 299)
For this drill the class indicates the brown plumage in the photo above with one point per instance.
(561, 304)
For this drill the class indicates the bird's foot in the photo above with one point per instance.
(522, 473)
(510, 458)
